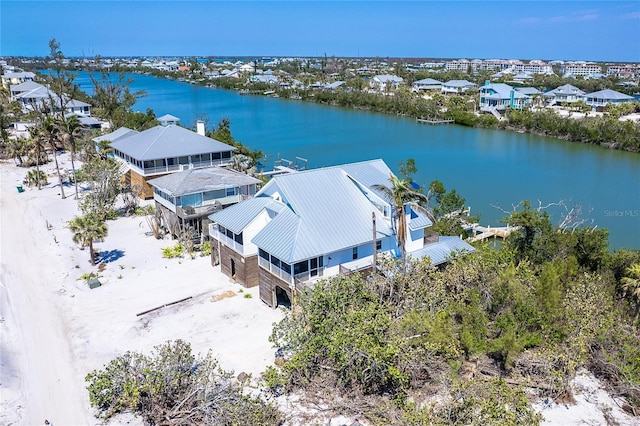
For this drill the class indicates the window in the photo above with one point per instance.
(231, 191)
(226, 154)
(216, 155)
(354, 254)
(379, 245)
(183, 160)
(301, 267)
(263, 254)
(238, 238)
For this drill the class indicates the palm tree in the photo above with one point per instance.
(38, 145)
(86, 229)
(401, 194)
(631, 285)
(48, 134)
(71, 128)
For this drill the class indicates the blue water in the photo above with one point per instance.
(492, 169)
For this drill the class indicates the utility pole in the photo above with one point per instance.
(375, 243)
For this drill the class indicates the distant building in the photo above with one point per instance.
(16, 77)
(500, 96)
(581, 69)
(386, 82)
(564, 94)
(603, 98)
(427, 84)
(457, 87)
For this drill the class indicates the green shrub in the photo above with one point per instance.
(34, 177)
(174, 251)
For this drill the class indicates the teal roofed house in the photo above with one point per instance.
(317, 223)
(500, 96)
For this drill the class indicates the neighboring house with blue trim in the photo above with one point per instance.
(304, 226)
(500, 96)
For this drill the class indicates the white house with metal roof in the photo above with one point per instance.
(317, 223)
(16, 77)
(385, 82)
(426, 84)
(187, 198)
(456, 87)
(606, 97)
(164, 149)
(566, 93)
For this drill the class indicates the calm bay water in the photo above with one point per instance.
(488, 167)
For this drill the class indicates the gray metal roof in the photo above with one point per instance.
(328, 212)
(25, 86)
(194, 181)
(167, 117)
(418, 220)
(239, 216)
(565, 88)
(444, 250)
(608, 94)
(427, 81)
(115, 135)
(458, 83)
(167, 142)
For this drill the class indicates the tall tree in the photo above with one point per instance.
(60, 81)
(102, 176)
(71, 129)
(87, 229)
(47, 133)
(112, 96)
(401, 194)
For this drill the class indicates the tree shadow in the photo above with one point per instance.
(109, 256)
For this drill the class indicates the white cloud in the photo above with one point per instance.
(632, 15)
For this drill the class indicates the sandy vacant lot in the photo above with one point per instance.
(55, 330)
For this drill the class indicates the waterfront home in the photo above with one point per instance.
(264, 78)
(456, 87)
(500, 96)
(426, 84)
(564, 94)
(304, 226)
(34, 96)
(16, 77)
(187, 198)
(385, 83)
(601, 99)
(162, 150)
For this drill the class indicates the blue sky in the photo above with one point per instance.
(569, 30)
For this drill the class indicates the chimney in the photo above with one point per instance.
(200, 127)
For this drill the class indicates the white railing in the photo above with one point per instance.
(231, 243)
(273, 269)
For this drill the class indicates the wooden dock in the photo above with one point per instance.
(433, 122)
(482, 233)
